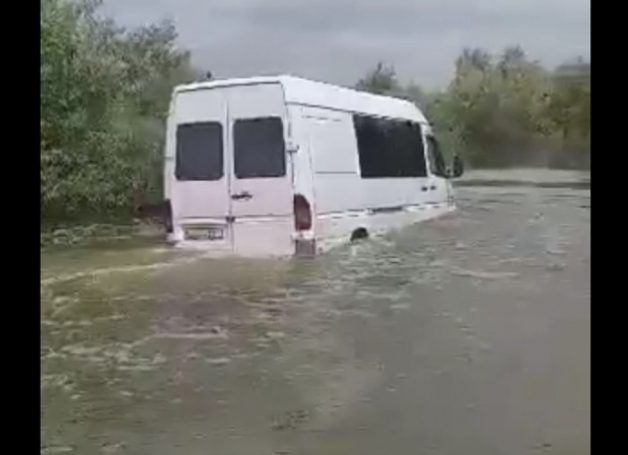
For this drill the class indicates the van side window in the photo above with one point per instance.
(389, 148)
(435, 156)
(199, 154)
(259, 148)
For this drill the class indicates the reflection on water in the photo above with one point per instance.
(468, 334)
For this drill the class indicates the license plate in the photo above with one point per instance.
(206, 233)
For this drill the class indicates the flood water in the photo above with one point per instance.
(466, 335)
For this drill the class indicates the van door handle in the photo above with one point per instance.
(433, 187)
(423, 188)
(245, 195)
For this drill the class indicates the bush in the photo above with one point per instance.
(104, 99)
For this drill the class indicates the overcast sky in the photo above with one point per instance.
(339, 40)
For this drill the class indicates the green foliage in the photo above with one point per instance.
(505, 111)
(104, 98)
(382, 81)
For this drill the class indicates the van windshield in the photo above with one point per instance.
(259, 148)
(199, 155)
(435, 157)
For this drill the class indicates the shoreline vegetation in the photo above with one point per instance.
(105, 92)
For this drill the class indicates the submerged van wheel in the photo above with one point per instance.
(359, 234)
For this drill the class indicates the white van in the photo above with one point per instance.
(283, 165)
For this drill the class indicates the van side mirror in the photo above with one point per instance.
(458, 167)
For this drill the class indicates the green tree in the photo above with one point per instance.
(382, 80)
(505, 110)
(104, 98)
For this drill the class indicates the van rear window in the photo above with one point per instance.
(259, 148)
(199, 155)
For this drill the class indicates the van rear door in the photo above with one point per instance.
(260, 174)
(200, 190)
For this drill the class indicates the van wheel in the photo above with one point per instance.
(359, 234)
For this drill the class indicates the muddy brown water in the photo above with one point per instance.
(466, 335)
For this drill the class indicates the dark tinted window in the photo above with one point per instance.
(259, 149)
(199, 153)
(389, 148)
(435, 156)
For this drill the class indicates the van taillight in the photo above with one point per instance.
(302, 213)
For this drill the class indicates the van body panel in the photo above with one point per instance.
(301, 159)
(336, 168)
(304, 92)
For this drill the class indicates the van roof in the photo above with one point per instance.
(320, 94)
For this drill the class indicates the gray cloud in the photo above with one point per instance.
(338, 40)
